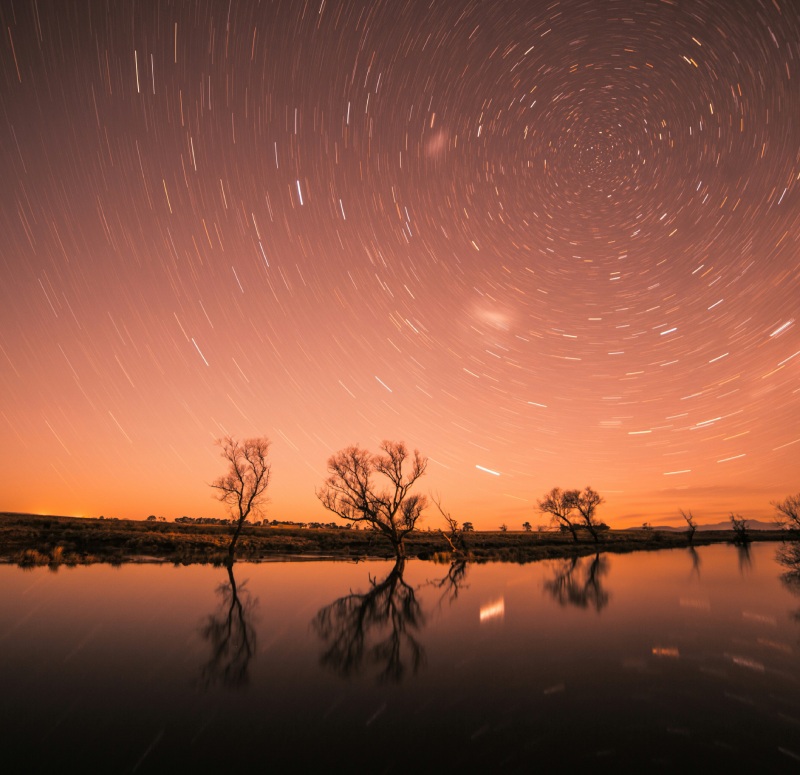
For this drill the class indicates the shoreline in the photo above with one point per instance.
(30, 540)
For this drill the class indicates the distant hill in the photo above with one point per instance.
(752, 524)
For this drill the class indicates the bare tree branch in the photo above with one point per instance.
(454, 535)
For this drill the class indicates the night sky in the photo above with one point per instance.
(545, 243)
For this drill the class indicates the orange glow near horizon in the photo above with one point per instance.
(544, 248)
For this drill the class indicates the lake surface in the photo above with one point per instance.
(660, 659)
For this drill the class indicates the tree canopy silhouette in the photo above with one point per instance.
(375, 489)
(562, 506)
(586, 503)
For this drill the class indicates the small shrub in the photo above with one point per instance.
(30, 558)
(56, 557)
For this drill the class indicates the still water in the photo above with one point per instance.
(667, 660)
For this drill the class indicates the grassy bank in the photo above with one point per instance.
(30, 540)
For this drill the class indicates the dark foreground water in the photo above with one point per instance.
(644, 662)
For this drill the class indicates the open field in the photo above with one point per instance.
(28, 540)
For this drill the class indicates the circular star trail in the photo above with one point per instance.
(546, 243)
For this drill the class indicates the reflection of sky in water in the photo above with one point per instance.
(104, 664)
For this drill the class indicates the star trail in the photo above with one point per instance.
(545, 243)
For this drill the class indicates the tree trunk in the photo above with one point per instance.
(234, 539)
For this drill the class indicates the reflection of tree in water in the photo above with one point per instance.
(232, 636)
(377, 626)
(579, 582)
(789, 556)
(695, 561)
(380, 626)
(745, 558)
(453, 582)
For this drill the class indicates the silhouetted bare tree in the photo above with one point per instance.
(560, 504)
(244, 486)
(232, 636)
(739, 527)
(691, 525)
(351, 490)
(788, 511)
(376, 626)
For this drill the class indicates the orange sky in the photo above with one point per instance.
(545, 247)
